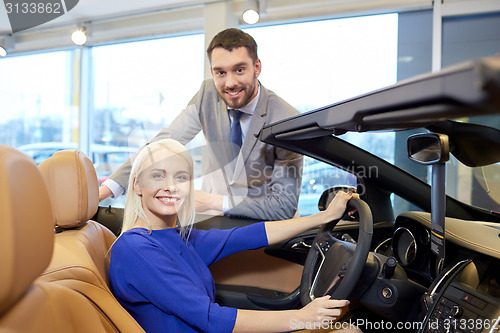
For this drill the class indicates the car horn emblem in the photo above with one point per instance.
(26, 14)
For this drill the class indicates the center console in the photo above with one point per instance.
(465, 298)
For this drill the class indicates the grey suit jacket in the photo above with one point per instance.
(264, 183)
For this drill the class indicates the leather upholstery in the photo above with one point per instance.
(26, 219)
(82, 246)
(73, 187)
(50, 308)
(26, 244)
(81, 254)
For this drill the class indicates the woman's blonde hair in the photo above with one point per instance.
(133, 207)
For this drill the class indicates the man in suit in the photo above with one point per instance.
(243, 176)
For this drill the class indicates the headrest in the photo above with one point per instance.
(73, 187)
(26, 225)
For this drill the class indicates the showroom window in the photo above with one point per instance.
(317, 63)
(469, 37)
(314, 64)
(138, 88)
(39, 107)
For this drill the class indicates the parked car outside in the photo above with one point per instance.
(105, 158)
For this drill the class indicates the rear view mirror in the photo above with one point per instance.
(434, 149)
(431, 148)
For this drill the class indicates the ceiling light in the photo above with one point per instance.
(6, 45)
(79, 37)
(253, 10)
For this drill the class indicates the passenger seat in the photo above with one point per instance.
(26, 244)
(81, 245)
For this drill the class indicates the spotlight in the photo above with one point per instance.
(79, 37)
(253, 10)
(6, 45)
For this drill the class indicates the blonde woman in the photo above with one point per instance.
(159, 263)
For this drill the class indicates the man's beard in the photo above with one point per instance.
(247, 94)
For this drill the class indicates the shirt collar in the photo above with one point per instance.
(250, 107)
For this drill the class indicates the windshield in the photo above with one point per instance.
(478, 186)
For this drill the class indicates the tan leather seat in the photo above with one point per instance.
(26, 244)
(81, 245)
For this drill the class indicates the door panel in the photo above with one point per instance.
(255, 268)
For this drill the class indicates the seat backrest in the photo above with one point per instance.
(81, 245)
(26, 245)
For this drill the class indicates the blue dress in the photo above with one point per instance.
(165, 284)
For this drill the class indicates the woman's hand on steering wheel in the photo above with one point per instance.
(337, 206)
(322, 309)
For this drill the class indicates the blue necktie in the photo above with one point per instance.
(235, 134)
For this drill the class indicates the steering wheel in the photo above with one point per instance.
(333, 266)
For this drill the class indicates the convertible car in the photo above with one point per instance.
(434, 268)
(422, 251)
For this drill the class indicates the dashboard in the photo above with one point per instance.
(466, 298)
(411, 247)
(464, 290)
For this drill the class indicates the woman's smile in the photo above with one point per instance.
(167, 200)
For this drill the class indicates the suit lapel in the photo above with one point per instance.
(223, 146)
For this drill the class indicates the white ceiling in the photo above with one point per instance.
(87, 10)
(104, 10)
(127, 20)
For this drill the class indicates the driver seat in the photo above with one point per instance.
(26, 244)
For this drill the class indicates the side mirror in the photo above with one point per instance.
(428, 149)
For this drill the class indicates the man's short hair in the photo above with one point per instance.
(233, 38)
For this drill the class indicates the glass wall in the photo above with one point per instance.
(469, 37)
(138, 88)
(141, 87)
(315, 64)
(465, 38)
(39, 104)
(414, 58)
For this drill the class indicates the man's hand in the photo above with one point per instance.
(104, 192)
(207, 201)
